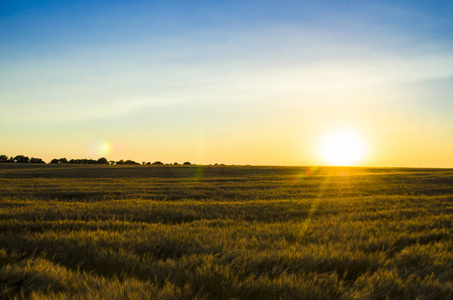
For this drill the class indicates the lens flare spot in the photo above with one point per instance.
(103, 148)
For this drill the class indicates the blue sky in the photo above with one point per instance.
(234, 81)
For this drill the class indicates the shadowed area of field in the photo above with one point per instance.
(222, 232)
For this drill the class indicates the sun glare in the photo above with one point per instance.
(342, 148)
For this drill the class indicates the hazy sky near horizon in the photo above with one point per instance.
(235, 82)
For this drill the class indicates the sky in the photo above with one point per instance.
(233, 82)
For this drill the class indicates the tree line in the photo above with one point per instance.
(22, 159)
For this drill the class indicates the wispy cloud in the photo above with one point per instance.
(268, 63)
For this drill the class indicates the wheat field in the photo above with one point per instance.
(225, 232)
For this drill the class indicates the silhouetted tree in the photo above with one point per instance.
(175, 164)
(127, 162)
(157, 163)
(34, 160)
(59, 161)
(3, 158)
(78, 161)
(103, 161)
(21, 159)
(186, 163)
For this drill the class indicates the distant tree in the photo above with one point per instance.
(103, 161)
(111, 162)
(175, 164)
(3, 158)
(127, 162)
(186, 163)
(21, 159)
(158, 163)
(148, 163)
(34, 160)
(63, 161)
(55, 161)
(83, 161)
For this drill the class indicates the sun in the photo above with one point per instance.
(342, 147)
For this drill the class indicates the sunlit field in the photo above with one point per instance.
(225, 232)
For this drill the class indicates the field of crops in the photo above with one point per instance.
(225, 232)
